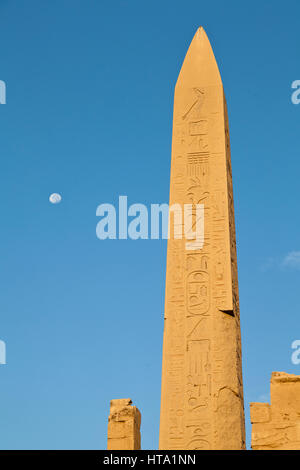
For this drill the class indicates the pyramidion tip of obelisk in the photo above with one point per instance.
(199, 67)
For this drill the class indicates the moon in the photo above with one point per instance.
(55, 198)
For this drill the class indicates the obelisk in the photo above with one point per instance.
(202, 391)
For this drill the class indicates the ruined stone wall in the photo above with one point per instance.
(276, 426)
(123, 426)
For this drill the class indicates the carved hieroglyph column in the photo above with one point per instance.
(123, 426)
(202, 392)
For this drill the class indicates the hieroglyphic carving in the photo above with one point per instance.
(198, 293)
(201, 376)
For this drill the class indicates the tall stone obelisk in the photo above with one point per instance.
(202, 391)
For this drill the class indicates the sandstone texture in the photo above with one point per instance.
(276, 426)
(202, 389)
(123, 426)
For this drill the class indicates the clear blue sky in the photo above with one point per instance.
(89, 115)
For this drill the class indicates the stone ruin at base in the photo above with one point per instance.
(123, 426)
(276, 426)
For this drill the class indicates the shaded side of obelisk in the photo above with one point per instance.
(202, 392)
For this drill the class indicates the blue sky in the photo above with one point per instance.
(89, 115)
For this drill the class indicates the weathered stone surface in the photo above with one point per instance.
(123, 426)
(202, 392)
(277, 426)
